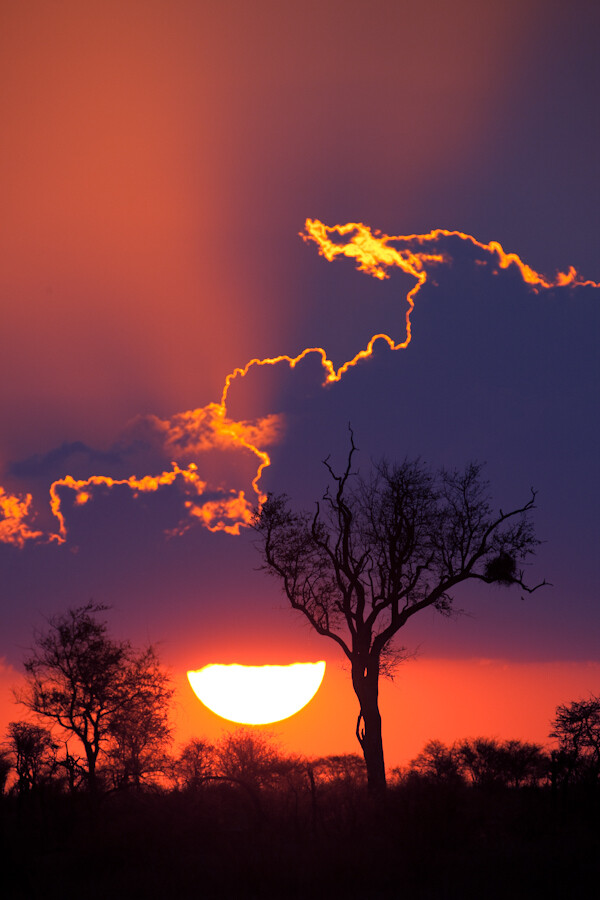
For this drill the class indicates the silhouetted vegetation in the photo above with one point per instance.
(33, 752)
(104, 699)
(381, 549)
(576, 726)
(241, 818)
(482, 762)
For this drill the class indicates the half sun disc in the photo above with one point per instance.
(257, 695)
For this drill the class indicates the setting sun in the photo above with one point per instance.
(257, 695)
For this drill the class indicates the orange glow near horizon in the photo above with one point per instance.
(432, 698)
(189, 433)
(446, 699)
(257, 695)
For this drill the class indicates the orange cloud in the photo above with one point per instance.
(83, 488)
(187, 435)
(374, 253)
(196, 431)
(14, 528)
(229, 514)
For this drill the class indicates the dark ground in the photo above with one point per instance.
(427, 842)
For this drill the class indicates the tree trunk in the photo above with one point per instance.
(366, 687)
(92, 777)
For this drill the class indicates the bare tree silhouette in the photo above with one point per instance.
(381, 549)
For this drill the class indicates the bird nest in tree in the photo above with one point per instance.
(502, 569)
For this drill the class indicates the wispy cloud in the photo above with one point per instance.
(177, 443)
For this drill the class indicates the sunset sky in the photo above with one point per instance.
(158, 162)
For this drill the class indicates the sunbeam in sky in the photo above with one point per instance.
(177, 179)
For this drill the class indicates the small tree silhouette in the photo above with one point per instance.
(99, 691)
(139, 729)
(32, 749)
(248, 757)
(576, 726)
(437, 763)
(195, 765)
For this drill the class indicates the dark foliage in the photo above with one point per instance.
(576, 727)
(103, 697)
(242, 819)
(502, 569)
(428, 841)
(33, 754)
(483, 762)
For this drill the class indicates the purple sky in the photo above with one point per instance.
(158, 161)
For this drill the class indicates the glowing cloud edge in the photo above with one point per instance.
(373, 253)
(256, 695)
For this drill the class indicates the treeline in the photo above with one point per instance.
(95, 799)
(33, 761)
(243, 819)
